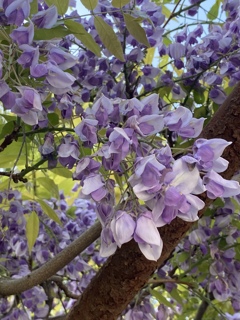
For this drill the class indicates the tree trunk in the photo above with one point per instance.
(127, 271)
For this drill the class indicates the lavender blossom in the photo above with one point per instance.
(28, 105)
(148, 237)
(23, 35)
(68, 151)
(46, 18)
(86, 130)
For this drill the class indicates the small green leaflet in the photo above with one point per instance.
(80, 33)
(90, 4)
(119, 3)
(49, 34)
(109, 38)
(62, 172)
(62, 5)
(135, 29)
(7, 129)
(49, 185)
(49, 211)
(53, 118)
(213, 12)
(161, 298)
(34, 7)
(32, 229)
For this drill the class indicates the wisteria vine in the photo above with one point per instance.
(125, 126)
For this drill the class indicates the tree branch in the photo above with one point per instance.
(127, 271)
(59, 282)
(16, 177)
(15, 286)
(10, 138)
(203, 307)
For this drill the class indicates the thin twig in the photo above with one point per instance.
(59, 282)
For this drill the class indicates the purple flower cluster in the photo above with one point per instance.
(167, 187)
(120, 147)
(16, 261)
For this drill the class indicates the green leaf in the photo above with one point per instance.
(213, 12)
(62, 5)
(34, 7)
(62, 172)
(166, 41)
(167, 13)
(49, 211)
(90, 4)
(200, 112)
(174, 293)
(11, 153)
(199, 97)
(149, 56)
(182, 257)
(7, 129)
(49, 185)
(109, 38)
(53, 119)
(135, 29)
(80, 33)
(119, 3)
(32, 229)
(49, 34)
(7, 117)
(118, 180)
(71, 212)
(161, 298)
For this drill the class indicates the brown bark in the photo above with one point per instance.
(127, 271)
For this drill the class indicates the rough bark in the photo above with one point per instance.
(127, 271)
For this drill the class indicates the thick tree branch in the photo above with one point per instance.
(127, 271)
(9, 287)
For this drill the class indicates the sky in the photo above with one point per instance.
(181, 20)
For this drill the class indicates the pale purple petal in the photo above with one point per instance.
(92, 183)
(218, 187)
(183, 176)
(122, 227)
(146, 230)
(108, 245)
(151, 252)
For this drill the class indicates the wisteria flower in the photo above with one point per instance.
(68, 151)
(60, 82)
(146, 179)
(86, 130)
(208, 153)
(93, 186)
(28, 105)
(122, 226)
(176, 198)
(147, 236)
(23, 35)
(182, 122)
(29, 57)
(85, 167)
(63, 59)
(108, 244)
(120, 141)
(101, 110)
(217, 186)
(146, 125)
(17, 11)
(46, 18)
